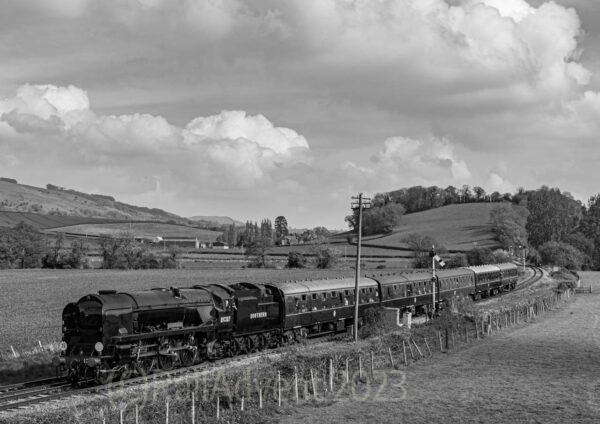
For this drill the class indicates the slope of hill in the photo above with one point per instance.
(459, 227)
(55, 200)
(215, 220)
(44, 222)
(140, 229)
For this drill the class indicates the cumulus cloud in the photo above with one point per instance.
(431, 160)
(497, 183)
(228, 150)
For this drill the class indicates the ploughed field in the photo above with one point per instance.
(547, 371)
(32, 300)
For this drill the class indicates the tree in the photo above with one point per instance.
(321, 233)
(553, 215)
(281, 228)
(256, 252)
(296, 260)
(452, 195)
(421, 246)
(590, 227)
(377, 220)
(479, 193)
(480, 256)
(561, 254)
(508, 224)
(326, 257)
(53, 259)
(465, 194)
(21, 247)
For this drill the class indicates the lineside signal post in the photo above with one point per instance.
(358, 202)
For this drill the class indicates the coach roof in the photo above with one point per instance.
(331, 284)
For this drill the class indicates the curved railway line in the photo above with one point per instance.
(17, 396)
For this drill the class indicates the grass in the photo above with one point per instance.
(457, 227)
(141, 229)
(42, 222)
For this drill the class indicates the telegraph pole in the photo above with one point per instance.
(358, 202)
(432, 254)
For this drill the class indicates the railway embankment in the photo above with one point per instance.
(382, 373)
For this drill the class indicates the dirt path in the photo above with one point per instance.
(544, 372)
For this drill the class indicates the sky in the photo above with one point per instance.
(255, 109)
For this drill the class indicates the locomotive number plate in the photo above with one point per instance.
(225, 319)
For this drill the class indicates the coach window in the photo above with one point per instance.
(314, 296)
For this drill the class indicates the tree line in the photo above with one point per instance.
(275, 234)
(22, 246)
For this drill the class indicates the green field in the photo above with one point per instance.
(456, 227)
(141, 229)
(43, 222)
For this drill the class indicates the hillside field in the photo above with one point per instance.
(458, 227)
(141, 229)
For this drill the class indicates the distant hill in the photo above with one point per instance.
(459, 227)
(60, 201)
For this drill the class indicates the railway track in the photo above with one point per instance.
(20, 396)
(538, 273)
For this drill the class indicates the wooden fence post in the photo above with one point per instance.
(331, 375)
(391, 357)
(296, 383)
(441, 345)
(347, 373)
(371, 364)
(427, 344)
(194, 408)
(359, 366)
(404, 353)
(417, 347)
(447, 339)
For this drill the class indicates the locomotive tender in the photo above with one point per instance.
(113, 334)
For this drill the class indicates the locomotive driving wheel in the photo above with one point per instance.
(166, 362)
(186, 357)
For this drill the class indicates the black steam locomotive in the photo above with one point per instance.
(112, 334)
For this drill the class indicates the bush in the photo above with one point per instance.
(457, 261)
(561, 254)
(480, 256)
(501, 256)
(327, 257)
(296, 260)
